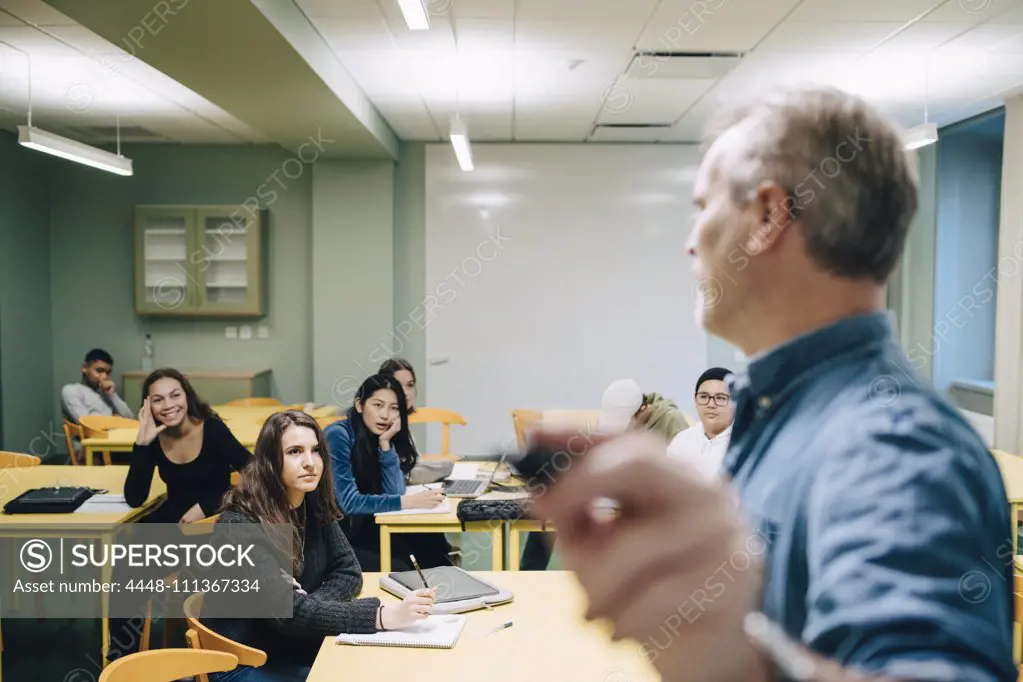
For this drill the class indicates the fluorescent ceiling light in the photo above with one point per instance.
(921, 136)
(72, 150)
(416, 16)
(460, 141)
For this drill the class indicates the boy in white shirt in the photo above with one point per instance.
(703, 445)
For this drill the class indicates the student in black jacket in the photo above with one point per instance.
(183, 438)
(289, 481)
(194, 451)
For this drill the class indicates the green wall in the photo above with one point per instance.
(91, 266)
(353, 274)
(410, 255)
(26, 371)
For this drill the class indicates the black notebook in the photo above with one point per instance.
(452, 583)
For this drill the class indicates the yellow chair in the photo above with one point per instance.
(436, 415)
(583, 419)
(72, 431)
(168, 665)
(16, 459)
(201, 637)
(523, 421)
(255, 402)
(97, 426)
(324, 422)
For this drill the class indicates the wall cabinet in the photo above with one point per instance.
(201, 261)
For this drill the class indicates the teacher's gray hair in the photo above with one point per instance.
(851, 185)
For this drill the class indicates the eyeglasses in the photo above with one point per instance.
(720, 399)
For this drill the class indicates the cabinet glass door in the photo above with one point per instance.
(230, 255)
(165, 245)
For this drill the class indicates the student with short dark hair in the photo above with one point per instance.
(703, 445)
(372, 456)
(95, 393)
(290, 481)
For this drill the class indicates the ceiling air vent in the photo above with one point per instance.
(687, 65)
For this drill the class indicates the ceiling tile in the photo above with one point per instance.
(989, 36)
(861, 11)
(634, 100)
(583, 35)
(586, 10)
(37, 12)
(628, 134)
(719, 25)
(830, 37)
(970, 11)
(480, 9)
(485, 34)
(922, 36)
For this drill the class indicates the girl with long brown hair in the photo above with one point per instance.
(289, 481)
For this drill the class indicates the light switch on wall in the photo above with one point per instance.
(263, 332)
(230, 332)
(245, 332)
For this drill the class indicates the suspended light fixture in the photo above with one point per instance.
(926, 133)
(66, 148)
(460, 142)
(416, 15)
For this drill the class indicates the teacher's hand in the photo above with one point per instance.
(675, 569)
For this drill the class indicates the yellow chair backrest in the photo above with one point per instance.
(167, 665)
(71, 431)
(16, 459)
(524, 420)
(255, 402)
(201, 637)
(584, 419)
(436, 415)
(324, 422)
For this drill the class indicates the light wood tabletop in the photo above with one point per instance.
(1011, 467)
(549, 640)
(15, 481)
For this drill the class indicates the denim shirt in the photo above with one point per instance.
(884, 523)
(340, 441)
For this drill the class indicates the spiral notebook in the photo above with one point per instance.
(434, 632)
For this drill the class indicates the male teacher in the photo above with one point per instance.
(871, 541)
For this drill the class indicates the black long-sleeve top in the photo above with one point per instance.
(331, 578)
(202, 481)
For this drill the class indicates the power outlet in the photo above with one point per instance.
(230, 332)
(245, 332)
(263, 332)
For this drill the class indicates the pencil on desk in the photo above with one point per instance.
(419, 571)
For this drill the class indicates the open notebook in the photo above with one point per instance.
(442, 508)
(434, 632)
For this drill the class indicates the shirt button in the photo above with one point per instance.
(764, 402)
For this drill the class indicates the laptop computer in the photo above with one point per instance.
(471, 487)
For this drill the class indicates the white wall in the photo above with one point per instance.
(556, 269)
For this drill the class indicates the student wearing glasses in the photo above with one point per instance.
(703, 445)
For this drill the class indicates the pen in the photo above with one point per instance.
(419, 570)
(503, 626)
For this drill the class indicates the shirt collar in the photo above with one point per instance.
(721, 436)
(771, 373)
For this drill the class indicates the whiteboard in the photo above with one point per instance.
(552, 270)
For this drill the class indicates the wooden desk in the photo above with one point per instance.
(438, 523)
(15, 481)
(1011, 467)
(548, 632)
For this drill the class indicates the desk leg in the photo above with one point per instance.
(106, 577)
(88, 455)
(514, 549)
(497, 548)
(1015, 508)
(385, 549)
